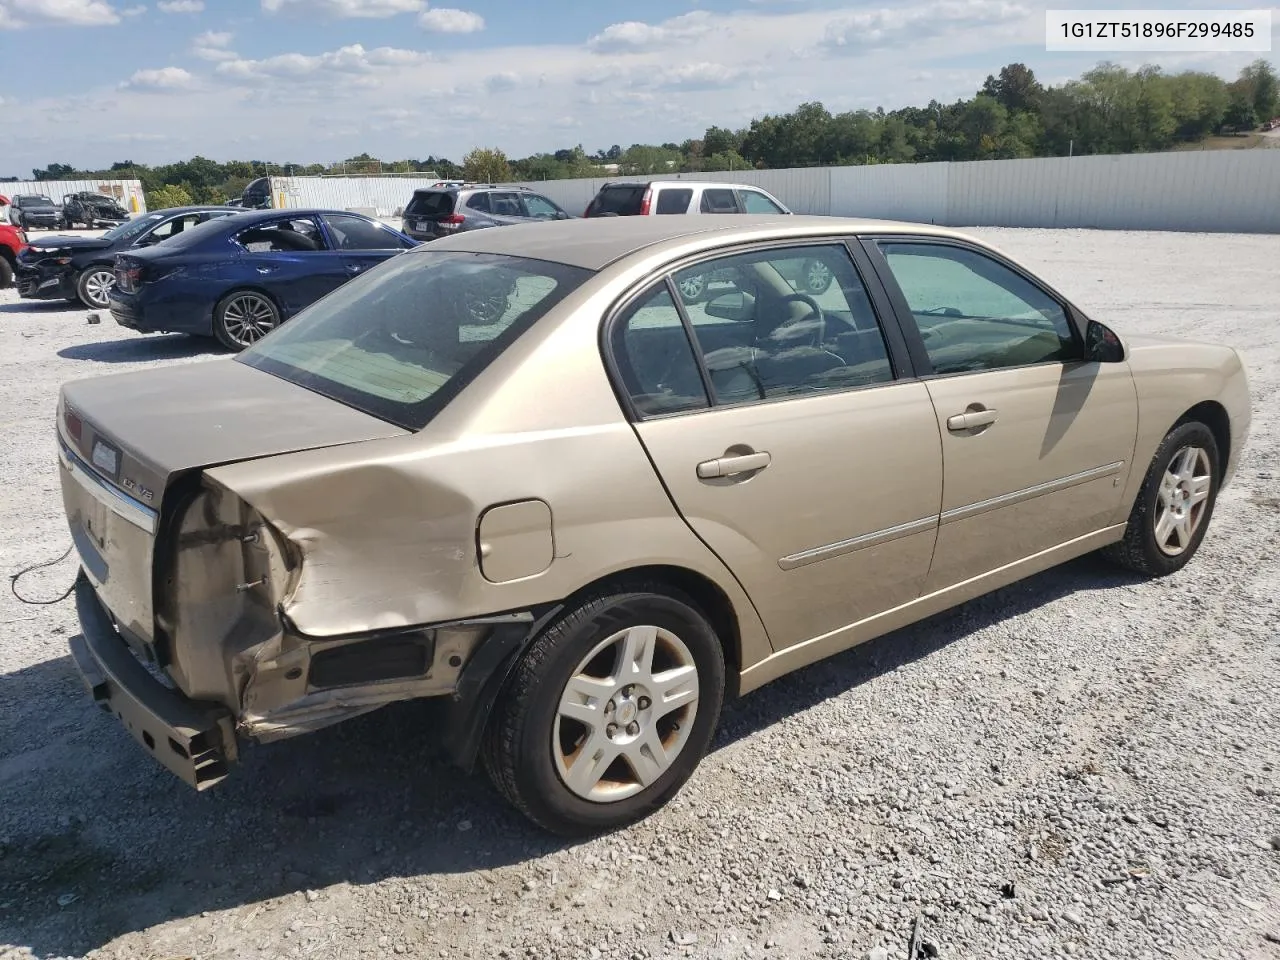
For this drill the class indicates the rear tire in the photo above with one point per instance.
(93, 286)
(243, 317)
(6, 273)
(1172, 513)
(626, 688)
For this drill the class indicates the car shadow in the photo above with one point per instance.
(138, 349)
(43, 307)
(98, 842)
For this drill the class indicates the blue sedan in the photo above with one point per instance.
(239, 277)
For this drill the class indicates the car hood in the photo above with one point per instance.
(68, 242)
(189, 416)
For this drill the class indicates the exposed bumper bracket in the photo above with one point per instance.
(193, 740)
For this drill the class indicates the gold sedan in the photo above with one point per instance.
(519, 473)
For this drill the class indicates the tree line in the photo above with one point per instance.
(1108, 109)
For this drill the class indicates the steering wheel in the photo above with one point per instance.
(815, 313)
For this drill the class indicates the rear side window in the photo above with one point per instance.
(716, 200)
(624, 200)
(282, 236)
(655, 359)
(479, 201)
(356, 233)
(431, 203)
(674, 201)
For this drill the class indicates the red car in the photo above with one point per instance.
(12, 241)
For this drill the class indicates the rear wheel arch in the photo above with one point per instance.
(705, 595)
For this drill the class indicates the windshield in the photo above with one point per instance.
(131, 228)
(404, 338)
(33, 201)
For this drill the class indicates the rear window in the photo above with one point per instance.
(624, 200)
(401, 340)
(431, 203)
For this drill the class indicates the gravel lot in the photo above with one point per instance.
(1080, 765)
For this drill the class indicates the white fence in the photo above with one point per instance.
(1219, 191)
(383, 196)
(127, 192)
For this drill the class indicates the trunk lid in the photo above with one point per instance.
(124, 439)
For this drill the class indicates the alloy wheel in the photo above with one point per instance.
(691, 288)
(1183, 496)
(625, 714)
(97, 288)
(817, 276)
(248, 318)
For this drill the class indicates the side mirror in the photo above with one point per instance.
(737, 306)
(1101, 345)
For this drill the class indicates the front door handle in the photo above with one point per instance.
(971, 420)
(354, 268)
(733, 465)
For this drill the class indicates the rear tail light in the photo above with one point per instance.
(452, 220)
(645, 201)
(129, 276)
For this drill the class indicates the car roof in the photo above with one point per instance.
(595, 243)
(244, 216)
(714, 184)
(193, 208)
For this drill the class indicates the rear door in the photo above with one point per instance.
(1037, 442)
(289, 258)
(792, 439)
(363, 243)
(720, 200)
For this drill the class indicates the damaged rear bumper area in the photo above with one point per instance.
(193, 740)
(295, 685)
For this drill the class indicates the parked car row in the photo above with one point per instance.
(38, 212)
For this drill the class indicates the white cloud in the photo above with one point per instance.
(350, 59)
(449, 20)
(892, 26)
(632, 35)
(78, 13)
(137, 11)
(345, 9)
(700, 76)
(165, 78)
(213, 45)
(499, 82)
(180, 6)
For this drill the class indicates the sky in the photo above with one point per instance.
(91, 82)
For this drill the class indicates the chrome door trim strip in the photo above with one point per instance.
(114, 500)
(875, 538)
(1030, 493)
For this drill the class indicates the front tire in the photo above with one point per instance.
(93, 287)
(608, 712)
(1172, 513)
(6, 273)
(244, 317)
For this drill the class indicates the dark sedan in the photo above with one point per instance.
(239, 277)
(83, 268)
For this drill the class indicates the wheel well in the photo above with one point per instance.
(709, 598)
(1214, 416)
(258, 290)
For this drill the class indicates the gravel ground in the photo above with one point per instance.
(1080, 765)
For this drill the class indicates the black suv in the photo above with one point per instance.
(33, 212)
(92, 209)
(442, 211)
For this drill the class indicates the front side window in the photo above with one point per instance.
(282, 236)
(975, 313)
(674, 201)
(398, 341)
(755, 202)
(540, 207)
(715, 200)
(655, 359)
(356, 233)
(173, 227)
(763, 337)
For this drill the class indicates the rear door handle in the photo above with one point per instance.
(354, 268)
(971, 419)
(731, 466)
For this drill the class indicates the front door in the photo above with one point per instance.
(364, 244)
(785, 440)
(1036, 442)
